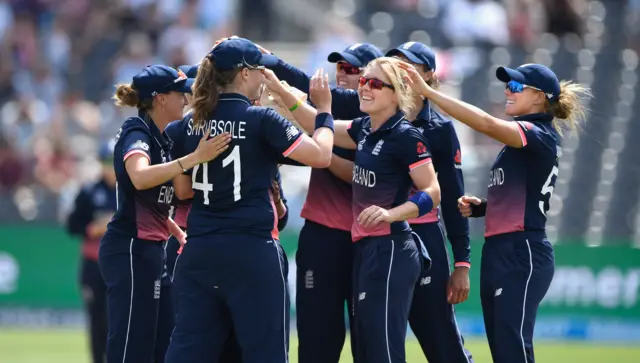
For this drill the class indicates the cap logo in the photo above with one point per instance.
(181, 76)
(408, 45)
(355, 46)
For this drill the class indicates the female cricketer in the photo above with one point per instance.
(94, 208)
(131, 255)
(517, 258)
(232, 273)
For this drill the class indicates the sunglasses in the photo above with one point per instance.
(244, 64)
(347, 68)
(374, 83)
(517, 87)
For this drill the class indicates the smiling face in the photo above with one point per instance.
(374, 100)
(522, 103)
(172, 104)
(347, 75)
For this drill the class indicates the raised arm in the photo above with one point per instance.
(508, 133)
(304, 114)
(342, 168)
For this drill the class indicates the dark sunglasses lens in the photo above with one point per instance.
(362, 81)
(348, 68)
(376, 84)
(514, 87)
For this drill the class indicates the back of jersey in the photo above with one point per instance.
(232, 191)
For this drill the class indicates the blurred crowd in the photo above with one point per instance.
(59, 59)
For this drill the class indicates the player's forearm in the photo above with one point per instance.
(150, 176)
(403, 212)
(466, 113)
(342, 168)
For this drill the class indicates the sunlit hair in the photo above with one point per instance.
(127, 96)
(570, 110)
(207, 87)
(404, 94)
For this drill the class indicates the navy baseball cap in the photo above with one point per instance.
(157, 78)
(190, 71)
(417, 53)
(533, 75)
(359, 54)
(233, 53)
(105, 153)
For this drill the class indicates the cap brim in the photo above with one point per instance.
(410, 56)
(336, 57)
(185, 87)
(505, 75)
(268, 60)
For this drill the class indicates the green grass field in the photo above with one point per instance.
(69, 346)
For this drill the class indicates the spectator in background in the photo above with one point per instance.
(562, 16)
(472, 21)
(11, 166)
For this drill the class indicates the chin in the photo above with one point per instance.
(366, 108)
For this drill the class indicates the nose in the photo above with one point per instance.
(507, 92)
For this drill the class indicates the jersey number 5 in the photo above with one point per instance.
(206, 187)
(547, 188)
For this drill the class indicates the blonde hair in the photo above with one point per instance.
(434, 81)
(206, 88)
(127, 96)
(569, 111)
(404, 94)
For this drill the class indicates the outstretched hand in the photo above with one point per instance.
(414, 80)
(320, 92)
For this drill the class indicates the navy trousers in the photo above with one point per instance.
(94, 294)
(324, 262)
(517, 269)
(227, 284)
(385, 272)
(432, 318)
(132, 270)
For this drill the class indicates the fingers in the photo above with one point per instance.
(371, 216)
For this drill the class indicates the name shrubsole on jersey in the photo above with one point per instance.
(216, 127)
(364, 177)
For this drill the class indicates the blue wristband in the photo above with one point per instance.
(423, 201)
(324, 120)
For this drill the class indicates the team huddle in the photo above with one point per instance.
(191, 259)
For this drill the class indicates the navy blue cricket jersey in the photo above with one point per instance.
(141, 214)
(444, 146)
(175, 133)
(384, 159)
(232, 191)
(521, 180)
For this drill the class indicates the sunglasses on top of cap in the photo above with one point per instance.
(375, 83)
(244, 64)
(181, 77)
(348, 68)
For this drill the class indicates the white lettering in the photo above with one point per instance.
(216, 127)
(496, 177)
(166, 194)
(363, 176)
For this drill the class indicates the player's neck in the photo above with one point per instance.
(379, 118)
(234, 89)
(159, 119)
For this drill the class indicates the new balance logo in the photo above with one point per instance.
(362, 296)
(425, 281)
(498, 292)
(292, 132)
(377, 148)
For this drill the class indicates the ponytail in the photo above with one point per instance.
(569, 111)
(207, 88)
(127, 96)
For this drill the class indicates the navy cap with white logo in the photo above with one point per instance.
(233, 53)
(190, 70)
(533, 75)
(156, 79)
(416, 52)
(359, 54)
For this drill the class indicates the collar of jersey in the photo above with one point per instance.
(155, 132)
(424, 114)
(234, 97)
(535, 117)
(390, 123)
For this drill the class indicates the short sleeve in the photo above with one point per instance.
(355, 127)
(281, 134)
(537, 139)
(413, 150)
(136, 142)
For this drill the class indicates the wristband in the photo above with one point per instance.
(462, 264)
(294, 107)
(479, 210)
(423, 201)
(324, 120)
